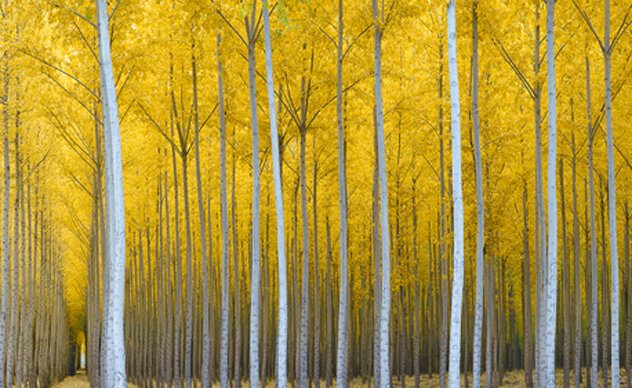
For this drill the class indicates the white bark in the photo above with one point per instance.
(480, 212)
(281, 359)
(381, 157)
(612, 208)
(305, 276)
(206, 346)
(454, 368)
(548, 352)
(341, 370)
(224, 221)
(113, 347)
(255, 282)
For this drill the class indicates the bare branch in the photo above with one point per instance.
(73, 96)
(232, 27)
(163, 133)
(589, 24)
(355, 39)
(622, 28)
(514, 67)
(114, 10)
(85, 19)
(83, 37)
(64, 72)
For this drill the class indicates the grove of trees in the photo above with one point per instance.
(389, 217)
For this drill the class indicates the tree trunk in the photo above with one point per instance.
(198, 175)
(281, 375)
(548, 372)
(113, 347)
(594, 310)
(457, 197)
(224, 221)
(316, 357)
(480, 212)
(577, 276)
(341, 362)
(612, 206)
(526, 301)
(381, 155)
(566, 286)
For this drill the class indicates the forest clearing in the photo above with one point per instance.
(331, 193)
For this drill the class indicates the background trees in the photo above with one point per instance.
(187, 312)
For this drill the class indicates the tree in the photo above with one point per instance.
(454, 369)
(113, 352)
(281, 359)
(548, 372)
(480, 209)
(385, 293)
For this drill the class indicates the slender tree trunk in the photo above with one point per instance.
(15, 277)
(417, 317)
(594, 310)
(236, 284)
(377, 262)
(341, 362)
(381, 154)
(316, 359)
(548, 373)
(198, 174)
(113, 347)
(577, 276)
(526, 301)
(480, 211)
(612, 206)
(255, 286)
(330, 313)
(566, 286)
(458, 269)
(604, 290)
(224, 221)
(305, 275)
(281, 375)
(489, 367)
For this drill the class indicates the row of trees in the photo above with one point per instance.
(405, 286)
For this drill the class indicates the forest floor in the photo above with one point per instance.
(511, 379)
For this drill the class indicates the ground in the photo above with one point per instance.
(512, 379)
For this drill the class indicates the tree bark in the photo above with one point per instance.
(113, 347)
(548, 372)
(224, 221)
(454, 370)
(281, 375)
(612, 206)
(594, 310)
(480, 212)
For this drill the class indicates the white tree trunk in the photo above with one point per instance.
(224, 221)
(548, 353)
(206, 346)
(255, 286)
(305, 276)
(381, 157)
(612, 208)
(454, 368)
(281, 359)
(341, 370)
(480, 212)
(113, 348)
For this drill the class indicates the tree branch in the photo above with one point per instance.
(85, 19)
